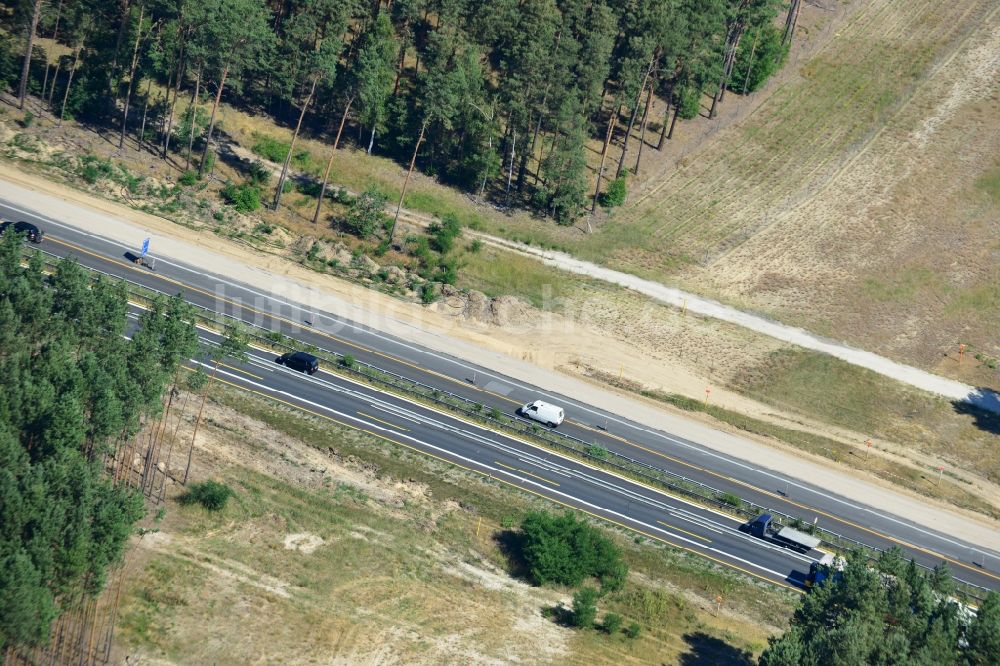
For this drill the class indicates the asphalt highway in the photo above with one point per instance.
(502, 458)
(752, 481)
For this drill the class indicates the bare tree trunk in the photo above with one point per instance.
(126, 4)
(291, 147)
(666, 122)
(211, 120)
(753, 49)
(534, 141)
(131, 75)
(604, 153)
(145, 109)
(22, 90)
(55, 41)
(790, 20)
(795, 20)
(69, 82)
(635, 112)
(486, 173)
(677, 110)
(179, 77)
(329, 164)
(194, 116)
(510, 172)
(197, 423)
(399, 65)
(409, 172)
(731, 62)
(52, 88)
(371, 140)
(642, 131)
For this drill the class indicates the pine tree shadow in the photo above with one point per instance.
(708, 650)
(511, 544)
(982, 405)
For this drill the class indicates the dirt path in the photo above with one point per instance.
(949, 388)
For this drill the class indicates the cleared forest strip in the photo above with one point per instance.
(951, 389)
(812, 133)
(794, 152)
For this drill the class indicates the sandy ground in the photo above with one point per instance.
(505, 351)
(236, 564)
(915, 377)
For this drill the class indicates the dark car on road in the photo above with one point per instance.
(30, 231)
(300, 361)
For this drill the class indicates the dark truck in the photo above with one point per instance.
(762, 527)
(828, 566)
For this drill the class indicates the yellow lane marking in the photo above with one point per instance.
(674, 527)
(799, 505)
(456, 381)
(224, 365)
(248, 308)
(391, 425)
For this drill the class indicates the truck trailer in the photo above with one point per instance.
(763, 527)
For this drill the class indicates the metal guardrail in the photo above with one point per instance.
(590, 451)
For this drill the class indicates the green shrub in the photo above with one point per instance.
(188, 178)
(730, 499)
(564, 550)
(197, 379)
(443, 234)
(347, 361)
(92, 169)
(584, 608)
(427, 295)
(210, 494)
(259, 173)
(448, 271)
(633, 630)
(25, 142)
(616, 194)
(597, 451)
(367, 213)
(270, 148)
(495, 414)
(612, 623)
(244, 198)
(310, 188)
(757, 59)
(28, 119)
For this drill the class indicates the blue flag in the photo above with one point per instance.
(145, 247)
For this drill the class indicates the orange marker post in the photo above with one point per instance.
(708, 391)
(868, 450)
(961, 352)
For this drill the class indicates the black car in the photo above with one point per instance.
(300, 361)
(30, 231)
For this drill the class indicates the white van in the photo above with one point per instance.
(548, 414)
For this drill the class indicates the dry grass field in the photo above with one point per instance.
(858, 199)
(324, 558)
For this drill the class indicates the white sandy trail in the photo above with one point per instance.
(921, 379)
